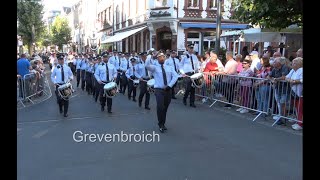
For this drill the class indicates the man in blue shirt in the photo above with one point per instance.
(165, 77)
(23, 67)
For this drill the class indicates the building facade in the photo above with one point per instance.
(138, 25)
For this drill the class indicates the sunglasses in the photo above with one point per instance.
(244, 63)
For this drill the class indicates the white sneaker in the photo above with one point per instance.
(244, 111)
(239, 109)
(219, 95)
(296, 127)
(276, 117)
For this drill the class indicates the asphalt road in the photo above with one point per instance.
(201, 144)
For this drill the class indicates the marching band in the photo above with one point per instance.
(153, 72)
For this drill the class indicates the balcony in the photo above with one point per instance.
(211, 13)
(123, 24)
(192, 13)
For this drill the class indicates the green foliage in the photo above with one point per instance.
(60, 31)
(274, 14)
(30, 24)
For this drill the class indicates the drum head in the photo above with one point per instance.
(136, 81)
(110, 85)
(196, 76)
(151, 82)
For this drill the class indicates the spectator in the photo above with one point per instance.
(219, 63)
(296, 81)
(275, 55)
(239, 61)
(262, 86)
(299, 53)
(244, 52)
(23, 66)
(255, 65)
(245, 86)
(278, 74)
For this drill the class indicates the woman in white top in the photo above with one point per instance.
(296, 82)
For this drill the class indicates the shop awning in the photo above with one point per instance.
(122, 35)
(214, 25)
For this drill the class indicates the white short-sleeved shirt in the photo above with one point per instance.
(296, 75)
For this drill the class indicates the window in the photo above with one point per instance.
(193, 3)
(117, 15)
(110, 14)
(123, 13)
(160, 3)
(212, 4)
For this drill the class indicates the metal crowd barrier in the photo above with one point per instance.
(251, 94)
(31, 86)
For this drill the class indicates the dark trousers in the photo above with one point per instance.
(103, 98)
(78, 77)
(189, 90)
(173, 91)
(124, 83)
(163, 99)
(131, 89)
(61, 102)
(228, 90)
(94, 82)
(118, 78)
(83, 79)
(89, 82)
(144, 91)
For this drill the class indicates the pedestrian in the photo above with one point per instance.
(144, 77)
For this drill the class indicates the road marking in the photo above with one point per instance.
(43, 132)
(79, 118)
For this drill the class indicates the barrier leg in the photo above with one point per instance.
(257, 117)
(213, 103)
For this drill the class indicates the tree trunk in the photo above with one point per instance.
(30, 48)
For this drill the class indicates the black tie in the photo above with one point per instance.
(164, 75)
(127, 64)
(192, 63)
(62, 74)
(119, 62)
(174, 62)
(147, 74)
(107, 71)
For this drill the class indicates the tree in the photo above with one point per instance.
(30, 24)
(60, 31)
(273, 14)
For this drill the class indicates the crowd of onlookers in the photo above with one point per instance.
(30, 75)
(258, 77)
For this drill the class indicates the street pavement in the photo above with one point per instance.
(200, 144)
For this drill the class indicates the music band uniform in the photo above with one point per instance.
(145, 75)
(189, 65)
(132, 74)
(83, 67)
(175, 63)
(165, 77)
(125, 65)
(59, 76)
(77, 63)
(104, 74)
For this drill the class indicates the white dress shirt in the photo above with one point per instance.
(124, 64)
(56, 75)
(130, 72)
(186, 64)
(101, 74)
(156, 71)
(173, 61)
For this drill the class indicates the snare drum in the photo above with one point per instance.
(197, 80)
(110, 89)
(65, 90)
(150, 85)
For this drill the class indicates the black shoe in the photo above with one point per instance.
(173, 97)
(185, 102)
(161, 130)
(61, 111)
(134, 100)
(227, 106)
(139, 104)
(65, 115)
(102, 108)
(109, 111)
(192, 105)
(164, 127)
(147, 107)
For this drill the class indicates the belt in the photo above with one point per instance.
(189, 73)
(159, 89)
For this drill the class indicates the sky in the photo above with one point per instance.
(57, 4)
